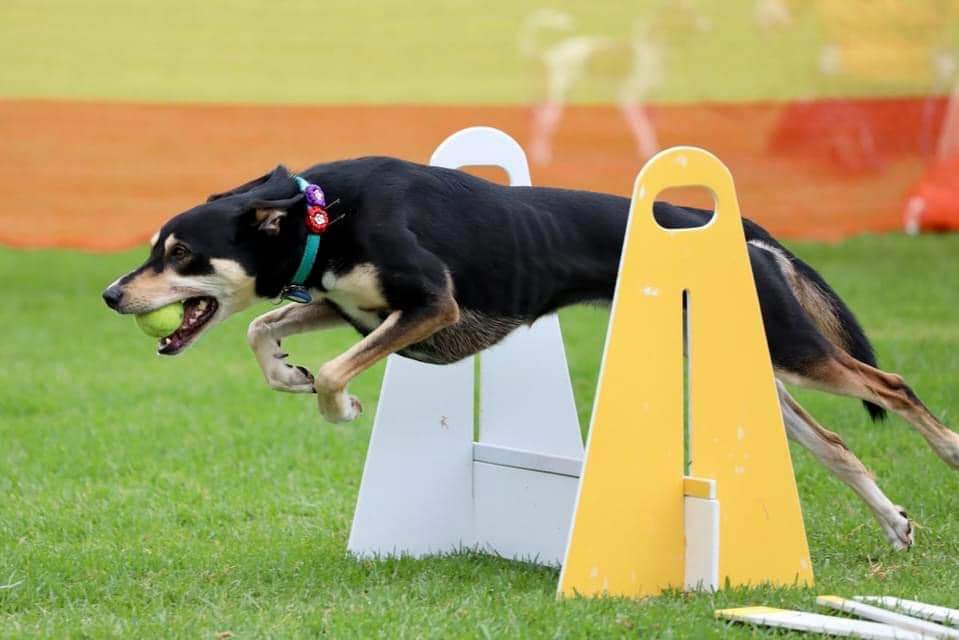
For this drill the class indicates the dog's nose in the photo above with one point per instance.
(112, 296)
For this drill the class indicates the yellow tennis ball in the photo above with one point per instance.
(161, 322)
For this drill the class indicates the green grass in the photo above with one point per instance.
(394, 51)
(151, 497)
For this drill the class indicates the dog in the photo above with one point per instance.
(436, 264)
(630, 67)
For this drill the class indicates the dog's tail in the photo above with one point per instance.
(835, 321)
(842, 328)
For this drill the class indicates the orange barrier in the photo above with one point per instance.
(104, 176)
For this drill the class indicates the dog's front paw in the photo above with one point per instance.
(291, 378)
(899, 530)
(339, 407)
(279, 374)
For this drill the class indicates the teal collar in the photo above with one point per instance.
(316, 203)
(295, 291)
(308, 260)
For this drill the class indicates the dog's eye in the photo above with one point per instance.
(179, 252)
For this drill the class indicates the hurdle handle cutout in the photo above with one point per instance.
(686, 167)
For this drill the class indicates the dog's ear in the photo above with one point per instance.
(278, 174)
(269, 214)
(268, 220)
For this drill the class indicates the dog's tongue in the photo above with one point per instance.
(171, 344)
(196, 313)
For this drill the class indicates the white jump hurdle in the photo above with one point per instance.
(427, 487)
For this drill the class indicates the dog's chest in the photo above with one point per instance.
(357, 295)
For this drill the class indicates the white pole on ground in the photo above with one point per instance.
(915, 608)
(877, 614)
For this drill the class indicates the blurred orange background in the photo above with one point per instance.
(835, 116)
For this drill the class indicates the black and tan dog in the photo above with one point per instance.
(437, 264)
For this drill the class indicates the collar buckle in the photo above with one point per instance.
(296, 293)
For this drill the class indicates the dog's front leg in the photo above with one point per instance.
(398, 331)
(267, 331)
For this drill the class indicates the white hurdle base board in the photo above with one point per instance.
(522, 514)
(523, 502)
(523, 505)
(530, 460)
(519, 505)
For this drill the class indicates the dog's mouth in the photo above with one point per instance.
(197, 313)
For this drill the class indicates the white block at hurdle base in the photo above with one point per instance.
(428, 488)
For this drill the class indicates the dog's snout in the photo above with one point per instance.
(112, 296)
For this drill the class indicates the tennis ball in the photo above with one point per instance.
(161, 322)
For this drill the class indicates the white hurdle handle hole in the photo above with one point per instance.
(694, 196)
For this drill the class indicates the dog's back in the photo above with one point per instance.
(517, 253)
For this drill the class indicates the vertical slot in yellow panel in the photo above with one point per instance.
(627, 534)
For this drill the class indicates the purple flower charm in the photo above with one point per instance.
(314, 196)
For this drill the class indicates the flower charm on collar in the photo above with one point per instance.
(317, 219)
(314, 196)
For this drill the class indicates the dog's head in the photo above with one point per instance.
(216, 258)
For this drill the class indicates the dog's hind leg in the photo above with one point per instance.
(833, 453)
(265, 335)
(398, 331)
(844, 375)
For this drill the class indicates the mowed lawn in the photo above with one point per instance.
(151, 497)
